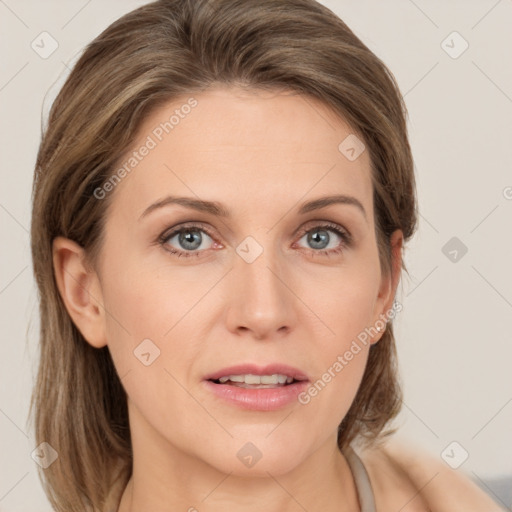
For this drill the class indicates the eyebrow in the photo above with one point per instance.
(217, 209)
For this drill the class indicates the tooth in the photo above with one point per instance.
(257, 379)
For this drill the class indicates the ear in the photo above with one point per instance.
(389, 283)
(80, 290)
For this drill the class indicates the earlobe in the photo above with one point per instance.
(80, 290)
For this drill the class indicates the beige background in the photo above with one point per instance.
(454, 335)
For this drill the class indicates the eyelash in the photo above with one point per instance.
(328, 226)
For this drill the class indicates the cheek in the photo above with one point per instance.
(155, 324)
(149, 301)
(341, 362)
(343, 304)
(149, 327)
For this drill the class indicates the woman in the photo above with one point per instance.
(221, 202)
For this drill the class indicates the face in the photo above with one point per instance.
(269, 287)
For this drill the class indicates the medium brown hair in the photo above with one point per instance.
(157, 53)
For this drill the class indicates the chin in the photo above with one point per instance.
(259, 457)
(275, 465)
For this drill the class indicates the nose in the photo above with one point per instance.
(261, 299)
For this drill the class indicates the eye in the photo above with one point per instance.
(324, 244)
(190, 240)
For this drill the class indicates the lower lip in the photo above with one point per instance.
(263, 399)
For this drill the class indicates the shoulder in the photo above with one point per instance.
(411, 479)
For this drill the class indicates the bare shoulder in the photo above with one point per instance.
(411, 479)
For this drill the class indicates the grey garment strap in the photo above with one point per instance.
(362, 481)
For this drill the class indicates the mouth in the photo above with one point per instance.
(257, 388)
(250, 381)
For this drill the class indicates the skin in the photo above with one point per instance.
(261, 155)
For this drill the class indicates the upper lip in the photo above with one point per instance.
(248, 368)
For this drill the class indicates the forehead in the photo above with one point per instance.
(245, 147)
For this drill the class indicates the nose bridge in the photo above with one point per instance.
(263, 303)
(255, 265)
